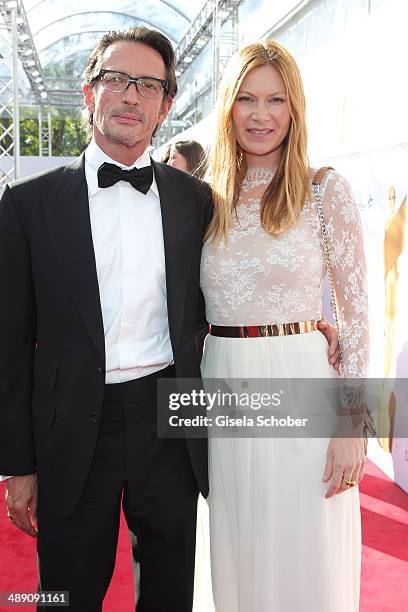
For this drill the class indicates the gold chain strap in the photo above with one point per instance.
(369, 425)
(318, 197)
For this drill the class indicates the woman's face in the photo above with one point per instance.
(176, 160)
(260, 116)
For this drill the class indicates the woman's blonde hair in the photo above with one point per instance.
(285, 196)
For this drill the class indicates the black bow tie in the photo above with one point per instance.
(139, 178)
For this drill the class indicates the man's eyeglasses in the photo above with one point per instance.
(118, 82)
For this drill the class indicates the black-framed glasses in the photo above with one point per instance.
(118, 82)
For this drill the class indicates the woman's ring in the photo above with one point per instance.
(350, 483)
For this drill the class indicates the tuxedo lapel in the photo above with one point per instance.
(67, 215)
(178, 244)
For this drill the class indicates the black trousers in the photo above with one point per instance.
(153, 479)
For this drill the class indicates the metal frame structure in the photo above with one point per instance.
(225, 38)
(210, 18)
(44, 132)
(66, 91)
(56, 92)
(10, 134)
(217, 20)
(26, 49)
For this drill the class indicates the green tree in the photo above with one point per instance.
(68, 138)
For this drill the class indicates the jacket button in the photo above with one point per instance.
(94, 417)
(100, 368)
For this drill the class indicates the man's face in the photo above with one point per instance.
(123, 122)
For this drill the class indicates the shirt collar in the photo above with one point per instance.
(95, 157)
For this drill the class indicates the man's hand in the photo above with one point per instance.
(331, 336)
(21, 498)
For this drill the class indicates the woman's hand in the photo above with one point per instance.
(345, 462)
(330, 333)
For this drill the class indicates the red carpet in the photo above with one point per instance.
(385, 553)
(384, 509)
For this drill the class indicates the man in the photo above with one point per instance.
(99, 287)
(100, 294)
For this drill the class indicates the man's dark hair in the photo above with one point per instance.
(138, 34)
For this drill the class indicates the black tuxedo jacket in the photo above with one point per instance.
(52, 349)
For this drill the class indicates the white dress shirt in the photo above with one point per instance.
(127, 235)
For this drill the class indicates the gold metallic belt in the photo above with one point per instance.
(263, 331)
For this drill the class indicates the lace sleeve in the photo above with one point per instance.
(343, 226)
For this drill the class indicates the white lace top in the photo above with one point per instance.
(260, 279)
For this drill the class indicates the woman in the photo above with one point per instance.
(188, 155)
(284, 512)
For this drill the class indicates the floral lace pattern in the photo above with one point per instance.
(255, 177)
(259, 279)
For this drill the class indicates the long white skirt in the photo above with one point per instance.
(276, 543)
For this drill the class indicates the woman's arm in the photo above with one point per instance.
(346, 455)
